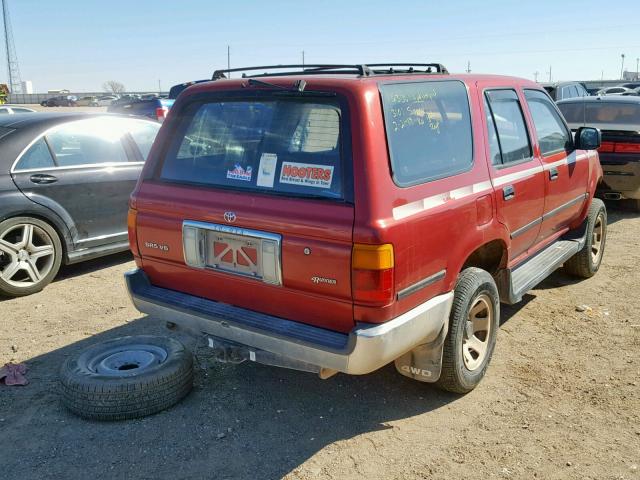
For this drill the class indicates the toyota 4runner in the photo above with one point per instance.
(336, 218)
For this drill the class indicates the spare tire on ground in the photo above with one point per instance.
(127, 377)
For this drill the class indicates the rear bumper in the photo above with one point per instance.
(363, 350)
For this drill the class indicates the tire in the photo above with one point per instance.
(461, 370)
(127, 377)
(586, 263)
(27, 243)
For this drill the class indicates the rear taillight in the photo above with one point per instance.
(627, 148)
(132, 219)
(606, 147)
(161, 113)
(372, 274)
(616, 147)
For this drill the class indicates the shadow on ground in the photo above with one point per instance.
(90, 266)
(272, 420)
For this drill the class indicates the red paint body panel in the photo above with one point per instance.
(426, 242)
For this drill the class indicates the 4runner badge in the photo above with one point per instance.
(328, 281)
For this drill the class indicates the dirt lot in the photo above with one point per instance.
(561, 399)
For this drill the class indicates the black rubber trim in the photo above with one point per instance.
(140, 287)
(425, 282)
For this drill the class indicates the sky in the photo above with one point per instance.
(80, 44)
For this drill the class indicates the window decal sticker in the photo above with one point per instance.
(267, 170)
(240, 173)
(304, 174)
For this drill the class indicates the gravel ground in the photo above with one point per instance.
(560, 400)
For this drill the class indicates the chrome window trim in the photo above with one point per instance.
(68, 167)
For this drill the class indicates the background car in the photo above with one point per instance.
(618, 118)
(60, 101)
(65, 181)
(87, 101)
(154, 108)
(14, 109)
(563, 90)
(105, 101)
(614, 91)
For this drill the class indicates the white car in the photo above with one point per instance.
(615, 91)
(14, 109)
(104, 101)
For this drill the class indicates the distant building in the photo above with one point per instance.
(27, 86)
(630, 76)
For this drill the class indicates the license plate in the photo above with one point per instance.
(233, 250)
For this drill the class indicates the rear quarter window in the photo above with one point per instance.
(279, 146)
(428, 128)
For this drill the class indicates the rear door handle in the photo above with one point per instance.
(42, 179)
(553, 174)
(508, 192)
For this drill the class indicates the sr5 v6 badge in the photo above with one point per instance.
(157, 246)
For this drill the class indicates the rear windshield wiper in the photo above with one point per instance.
(298, 85)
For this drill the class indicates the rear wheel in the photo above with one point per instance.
(30, 255)
(473, 327)
(587, 261)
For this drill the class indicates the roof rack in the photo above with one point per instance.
(363, 70)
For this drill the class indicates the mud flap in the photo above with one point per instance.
(423, 363)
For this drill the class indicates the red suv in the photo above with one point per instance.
(335, 218)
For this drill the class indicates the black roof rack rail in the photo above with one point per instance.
(363, 70)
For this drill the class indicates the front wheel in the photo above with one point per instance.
(473, 327)
(30, 256)
(586, 262)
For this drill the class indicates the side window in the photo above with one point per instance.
(494, 145)
(428, 127)
(87, 143)
(574, 91)
(38, 156)
(143, 134)
(509, 122)
(552, 134)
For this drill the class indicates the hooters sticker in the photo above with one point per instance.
(319, 176)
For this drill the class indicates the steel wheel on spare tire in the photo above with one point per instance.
(127, 377)
(473, 327)
(30, 255)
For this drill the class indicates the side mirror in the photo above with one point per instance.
(588, 138)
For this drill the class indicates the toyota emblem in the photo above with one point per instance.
(229, 217)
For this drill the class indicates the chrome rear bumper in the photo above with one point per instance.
(365, 349)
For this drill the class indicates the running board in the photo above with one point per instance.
(515, 283)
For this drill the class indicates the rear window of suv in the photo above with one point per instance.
(428, 130)
(283, 146)
(601, 112)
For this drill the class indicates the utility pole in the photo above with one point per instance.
(549, 72)
(159, 87)
(13, 71)
(229, 60)
(535, 76)
(303, 58)
(622, 68)
(468, 66)
(637, 63)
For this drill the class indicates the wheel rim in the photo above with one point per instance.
(127, 360)
(597, 239)
(475, 343)
(27, 255)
